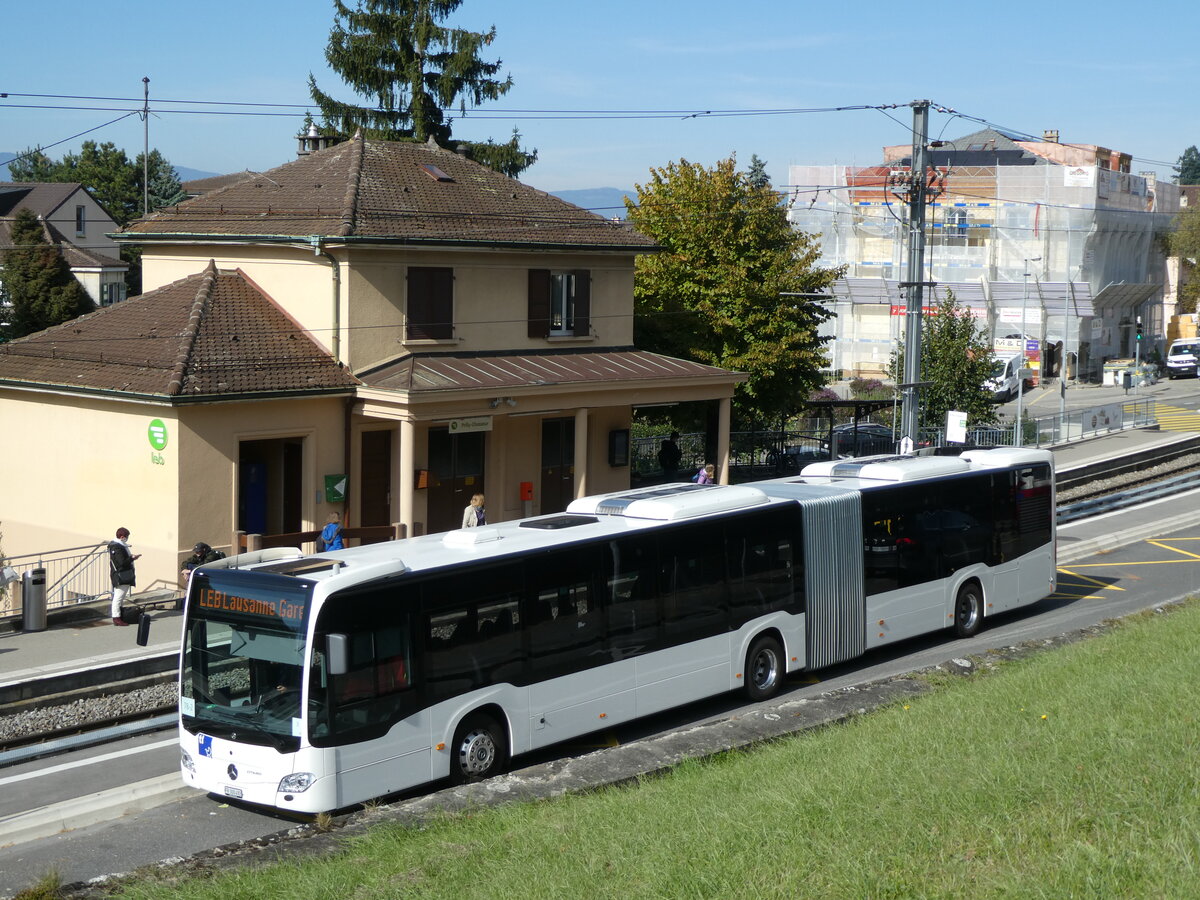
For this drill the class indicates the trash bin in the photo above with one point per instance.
(33, 600)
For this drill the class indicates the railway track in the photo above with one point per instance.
(1083, 491)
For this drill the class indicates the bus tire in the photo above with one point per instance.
(968, 610)
(478, 749)
(764, 668)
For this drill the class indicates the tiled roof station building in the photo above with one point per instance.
(375, 328)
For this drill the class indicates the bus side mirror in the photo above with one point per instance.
(338, 653)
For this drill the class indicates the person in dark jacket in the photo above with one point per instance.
(670, 456)
(201, 554)
(121, 570)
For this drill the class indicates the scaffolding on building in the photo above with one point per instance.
(1077, 248)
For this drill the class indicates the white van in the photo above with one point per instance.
(1005, 377)
(1181, 358)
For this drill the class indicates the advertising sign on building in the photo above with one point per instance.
(1015, 315)
(1079, 176)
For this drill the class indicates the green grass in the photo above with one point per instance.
(1070, 774)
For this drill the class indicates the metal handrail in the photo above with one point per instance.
(1122, 499)
(73, 575)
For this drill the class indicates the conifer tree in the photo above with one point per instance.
(37, 281)
(398, 54)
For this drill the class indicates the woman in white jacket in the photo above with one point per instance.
(474, 515)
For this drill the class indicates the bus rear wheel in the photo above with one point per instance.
(764, 668)
(478, 750)
(968, 610)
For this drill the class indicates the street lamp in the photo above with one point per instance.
(1019, 433)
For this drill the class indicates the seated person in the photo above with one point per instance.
(201, 554)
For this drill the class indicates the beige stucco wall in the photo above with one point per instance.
(490, 294)
(292, 276)
(210, 438)
(80, 467)
(77, 468)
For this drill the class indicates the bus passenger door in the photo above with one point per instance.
(694, 658)
(576, 686)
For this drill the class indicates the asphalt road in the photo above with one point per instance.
(1136, 577)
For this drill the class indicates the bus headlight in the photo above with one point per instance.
(185, 760)
(296, 783)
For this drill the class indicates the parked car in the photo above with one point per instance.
(868, 439)
(1182, 357)
(793, 459)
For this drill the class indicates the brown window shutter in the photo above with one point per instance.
(583, 302)
(430, 303)
(539, 303)
(442, 293)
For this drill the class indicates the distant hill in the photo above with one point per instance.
(186, 174)
(607, 202)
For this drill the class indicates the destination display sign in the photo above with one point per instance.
(236, 603)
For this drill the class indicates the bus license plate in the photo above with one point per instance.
(233, 792)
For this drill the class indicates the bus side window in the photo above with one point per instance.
(696, 604)
(565, 620)
(630, 580)
(474, 634)
(760, 567)
(375, 691)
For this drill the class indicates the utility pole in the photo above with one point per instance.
(915, 186)
(146, 148)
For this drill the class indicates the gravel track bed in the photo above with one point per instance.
(80, 713)
(1098, 487)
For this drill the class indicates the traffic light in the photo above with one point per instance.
(1139, 328)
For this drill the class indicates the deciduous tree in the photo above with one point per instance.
(400, 55)
(733, 284)
(957, 362)
(1185, 243)
(37, 281)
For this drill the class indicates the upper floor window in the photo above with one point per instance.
(80, 219)
(956, 222)
(559, 303)
(112, 292)
(430, 303)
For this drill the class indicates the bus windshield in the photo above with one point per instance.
(243, 657)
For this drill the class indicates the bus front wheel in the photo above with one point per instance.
(478, 750)
(764, 668)
(968, 610)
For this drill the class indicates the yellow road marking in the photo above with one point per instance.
(1092, 581)
(1174, 549)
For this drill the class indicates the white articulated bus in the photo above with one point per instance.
(314, 682)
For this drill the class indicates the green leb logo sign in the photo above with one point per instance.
(157, 433)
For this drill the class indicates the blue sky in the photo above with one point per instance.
(1119, 75)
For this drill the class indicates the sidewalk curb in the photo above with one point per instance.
(1080, 550)
(92, 809)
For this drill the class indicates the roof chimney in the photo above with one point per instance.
(312, 140)
(1050, 135)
